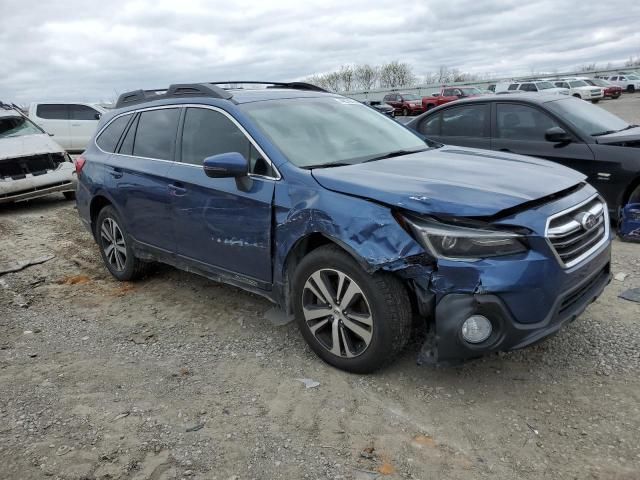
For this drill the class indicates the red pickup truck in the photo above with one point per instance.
(449, 94)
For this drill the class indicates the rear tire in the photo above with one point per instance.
(69, 195)
(116, 247)
(405, 112)
(366, 321)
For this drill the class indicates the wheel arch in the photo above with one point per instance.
(633, 185)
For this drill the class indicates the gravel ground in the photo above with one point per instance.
(177, 377)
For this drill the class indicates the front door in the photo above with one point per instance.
(83, 121)
(521, 129)
(222, 224)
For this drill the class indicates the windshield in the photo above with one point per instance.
(330, 130)
(586, 117)
(471, 91)
(545, 85)
(410, 96)
(17, 126)
(578, 83)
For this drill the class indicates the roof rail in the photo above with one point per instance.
(293, 85)
(177, 90)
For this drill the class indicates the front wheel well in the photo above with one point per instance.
(302, 248)
(629, 191)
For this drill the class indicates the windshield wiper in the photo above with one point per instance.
(606, 132)
(396, 153)
(326, 165)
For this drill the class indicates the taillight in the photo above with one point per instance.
(80, 161)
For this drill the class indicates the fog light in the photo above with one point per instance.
(476, 329)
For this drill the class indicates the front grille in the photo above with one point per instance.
(575, 233)
(17, 168)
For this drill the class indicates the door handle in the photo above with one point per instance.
(116, 173)
(177, 190)
(75, 124)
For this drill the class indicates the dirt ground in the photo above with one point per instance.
(178, 377)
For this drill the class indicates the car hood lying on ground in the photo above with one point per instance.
(451, 181)
(14, 147)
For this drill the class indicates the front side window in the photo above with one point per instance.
(83, 112)
(17, 126)
(53, 111)
(108, 139)
(513, 86)
(521, 122)
(207, 132)
(156, 133)
(314, 132)
(447, 92)
(528, 87)
(464, 121)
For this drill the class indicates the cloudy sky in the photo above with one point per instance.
(92, 50)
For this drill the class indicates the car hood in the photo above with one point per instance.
(631, 135)
(451, 181)
(13, 147)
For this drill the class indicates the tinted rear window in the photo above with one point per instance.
(52, 111)
(83, 112)
(156, 133)
(108, 139)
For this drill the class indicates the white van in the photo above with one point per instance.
(71, 124)
(529, 86)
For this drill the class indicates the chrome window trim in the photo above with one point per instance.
(592, 250)
(191, 105)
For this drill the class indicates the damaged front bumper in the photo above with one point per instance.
(29, 185)
(521, 314)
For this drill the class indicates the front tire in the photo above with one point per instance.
(115, 247)
(405, 112)
(595, 101)
(631, 88)
(352, 320)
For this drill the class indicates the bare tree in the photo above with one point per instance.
(346, 77)
(365, 76)
(333, 81)
(396, 74)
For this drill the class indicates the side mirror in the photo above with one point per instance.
(98, 116)
(225, 165)
(557, 135)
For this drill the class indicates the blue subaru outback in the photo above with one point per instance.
(359, 228)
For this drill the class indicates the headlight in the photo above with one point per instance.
(463, 243)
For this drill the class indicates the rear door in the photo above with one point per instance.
(466, 125)
(520, 128)
(83, 123)
(137, 177)
(222, 224)
(53, 118)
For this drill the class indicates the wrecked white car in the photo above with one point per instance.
(31, 163)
